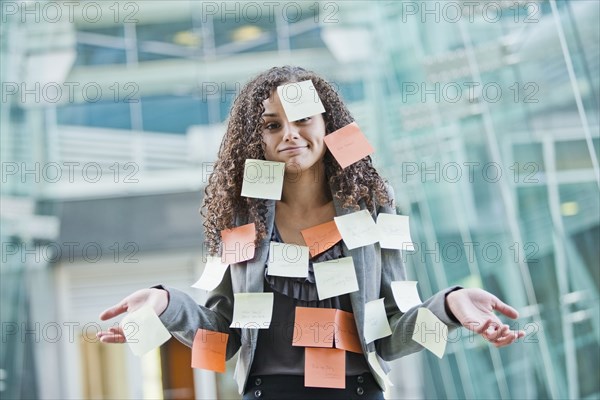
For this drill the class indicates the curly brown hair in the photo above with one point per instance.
(243, 140)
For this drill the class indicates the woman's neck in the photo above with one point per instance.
(306, 191)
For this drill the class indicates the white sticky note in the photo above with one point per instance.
(357, 229)
(380, 374)
(430, 332)
(300, 100)
(212, 274)
(394, 232)
(263, 179)
(286, 259)
(252, 310)
(406, 294)
(376, 322)
(144, 330)
(335, 277)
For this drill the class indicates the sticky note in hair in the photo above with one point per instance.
(209, 350)
(238, 244)
(394, 232)
(357, 229)
(300, 100)
(430, 332)
(212, 274)
(144, 330)
(335, 277)
(321, 237)
(348, 145)
(325, 368)
(263, 179)
(376, 322)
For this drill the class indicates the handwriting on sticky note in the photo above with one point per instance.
(212, 274)
(325, 368)
(144, 330)
(263, 179)
(300, 100)
(321, 237)
(238, 244)
(394, 232)
(335, 277)
(286, 259)
(209, 350)
(252, 310)
(357, 229)
(405, 294)
(346, 334)
(376, 322)
(430, 332)
(348, 145)
(314, 327)
(380, 375)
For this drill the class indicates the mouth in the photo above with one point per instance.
(293, 148)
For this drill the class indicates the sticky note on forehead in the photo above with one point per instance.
(300, 100)
(238, 244)
(348, 145)
(263, 179)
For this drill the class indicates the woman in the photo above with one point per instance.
(315, 190)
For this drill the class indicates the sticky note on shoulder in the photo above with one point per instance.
(325, 368)
(300, 100)
(394, 232)
(144, 330)
(348, 145)
(263, 179)
(238, 244)
(209, 350)
(430, 332)
(212, 274)
(357, 229)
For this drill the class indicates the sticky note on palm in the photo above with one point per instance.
(405, 294)
(144, 330)
(209, 350)
(430, 332)
(376, 322)
(348, 145)
(286, 259)
(357, 229)
(321, 237)
(394, 232)
(252, 310)
(346, 334)
(212, 274)
(263, 179)
(300, 100)
(314, 327)
(335, 277)
(325, 368)
(238, 244)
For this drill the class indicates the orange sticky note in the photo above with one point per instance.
(238, 244)
(209, 350)
(346, 334)
(321, 237)
(314, 327)
(348, 144)
(324, 368)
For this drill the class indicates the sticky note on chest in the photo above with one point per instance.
(335, 277)
(300, 100)
(325, 368)
(348, 145)
(321, 237)
(314, 327)
(144, 330)
(357, 229)
(263, 179)
(346, 334)
(252, 310)
(238, 244)
(209, 350)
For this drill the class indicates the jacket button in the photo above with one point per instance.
(360, 391)
(257, 393)
(360, 379)
(258, 381)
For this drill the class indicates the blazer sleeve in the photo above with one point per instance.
(400, 343)
(183, 316)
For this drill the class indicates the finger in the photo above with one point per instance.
(112, 338)
(505, 309)
(493, 331)
(114, 311)
(509, 338)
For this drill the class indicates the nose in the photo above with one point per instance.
(290, 131)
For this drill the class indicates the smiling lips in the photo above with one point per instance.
(293, 148)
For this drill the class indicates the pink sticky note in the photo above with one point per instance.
(209, 350)
(348, 145)
(238, 244)
(314, 327)
(346, 335)
(324, 368)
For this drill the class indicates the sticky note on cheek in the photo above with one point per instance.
(348, 145)
(238, 244)
(300, 100)
(144, 330)
(325, 368)
(209, 350)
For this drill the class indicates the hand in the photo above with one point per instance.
(158, 299)
(474, 308)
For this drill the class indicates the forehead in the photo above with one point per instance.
(272, 104)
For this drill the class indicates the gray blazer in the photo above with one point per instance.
(375, 268)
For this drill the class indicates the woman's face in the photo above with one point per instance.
(298, 144)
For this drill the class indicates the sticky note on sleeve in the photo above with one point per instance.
(300, 100)
(321, 237)
(238, 244)
(430, 332)
(263, 179)
(394, 232)
(348, 145)
(212, 274)
(209, 350)
(357, 229)
(376, 322)
(405, 294)
(325, 368)
(144, 330)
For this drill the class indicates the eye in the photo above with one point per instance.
(272, 126)
(304, 120)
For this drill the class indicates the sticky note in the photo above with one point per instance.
(209, 350)
(357, 229)
(346, 334)
(252, 310)
(212, 274)
(286, 259)
(321, 237)
(143, 330)
(430, 332)
(325, 368)
(405, 294)
(380, 375)
(263, 179)
(394, 232)
(335, 277)
(314, 327)
(348, 145)
(300, 100)
(238, 244)
(376, 322)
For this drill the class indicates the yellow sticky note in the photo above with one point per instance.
(335, 277)
(263, 179)
(212, 274)
(252, 310)
(394, 232)
(357, 229)
(144, 330)
(286, 259)
(348, 145)
(405, 294)
(430, 332)
(376, 322)
(300, 100)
